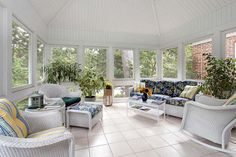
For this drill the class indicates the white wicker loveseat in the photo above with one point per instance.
(41, 140)
(209, 119)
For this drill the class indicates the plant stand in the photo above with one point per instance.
(107, 97)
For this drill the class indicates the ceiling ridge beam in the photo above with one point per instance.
(156, 17)
(58, 11)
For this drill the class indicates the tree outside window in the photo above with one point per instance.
(148, 63)
(123, 63)
(20, 56)
(40, 60)
(96, 57)
(67, 54)
(170, 63)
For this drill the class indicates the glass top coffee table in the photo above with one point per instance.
(152, 109)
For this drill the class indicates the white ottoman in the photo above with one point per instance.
(85, 114)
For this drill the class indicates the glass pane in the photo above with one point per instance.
(121, 91)
(230, 43)
(96, 58)
(66, 54)
(123, 63)
(170, 63)
(20, 56)
(148, 62)
(195, 61)
(40, 60)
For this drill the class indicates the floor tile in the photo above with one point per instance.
(120, 149)
(150, 153)
(168, 152)
(114, 137)
(156, 141)
(139, 145)
(97, 140)
(131, 135)
(81, 143)
(110, 129)
(82, 153)
(101, 151)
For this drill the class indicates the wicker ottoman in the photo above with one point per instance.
(85, 114)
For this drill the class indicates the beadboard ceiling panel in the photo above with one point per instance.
(147, 17)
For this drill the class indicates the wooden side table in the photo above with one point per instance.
(107, 97)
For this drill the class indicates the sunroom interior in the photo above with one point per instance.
(161, 43)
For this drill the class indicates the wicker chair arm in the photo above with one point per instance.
(35, 142)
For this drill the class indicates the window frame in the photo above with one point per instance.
(148, 49)
(113, 75)
(98, 47)
(30, 53)
(162, 67)
(223, 39)
(184, 56)
(44, 59)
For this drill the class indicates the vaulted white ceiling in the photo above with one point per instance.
(153, 17)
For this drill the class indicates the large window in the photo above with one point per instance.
(20, 55)
(195, 60)
(123, 63)
(40, 60)
(230, 45)
(68, 54)
(96, 57)
(170, 62)
(148, 63)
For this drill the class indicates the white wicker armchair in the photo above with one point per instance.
(55, 145)
(54, 92)
(211, 121)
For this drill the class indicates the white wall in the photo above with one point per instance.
(25, 13)
(212, 25)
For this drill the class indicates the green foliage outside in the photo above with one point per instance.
(148, 63)
(170, 63)
(20, 56)
(22, 104)
(67, 54)
(123, 63)
(220, 81)
(190, 73)
(40, 60)
(96, 58)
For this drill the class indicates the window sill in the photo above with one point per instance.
(17, 89)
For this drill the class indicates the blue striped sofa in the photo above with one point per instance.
(169, 91)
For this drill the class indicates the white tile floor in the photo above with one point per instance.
(135, 136)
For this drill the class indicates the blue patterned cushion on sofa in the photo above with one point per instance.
(160, 97)
(180, 85)
(164, 88)
(177, 101)
(89, 107)
(149, 83)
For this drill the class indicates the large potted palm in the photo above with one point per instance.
(90, 82)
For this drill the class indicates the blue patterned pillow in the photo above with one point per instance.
(165, 88)
(89, 107)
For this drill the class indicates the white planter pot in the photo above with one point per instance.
(206, 99)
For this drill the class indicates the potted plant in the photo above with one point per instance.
(146, 92)
(58, 71)
(107, 99)
(90, 82)
(220, 81)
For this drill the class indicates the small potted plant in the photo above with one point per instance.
(146, 92)
(90, 83)
(107, 99)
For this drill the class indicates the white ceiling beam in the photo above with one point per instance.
(156, 18)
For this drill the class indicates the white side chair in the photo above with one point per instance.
(54, 92)
(209, 119)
